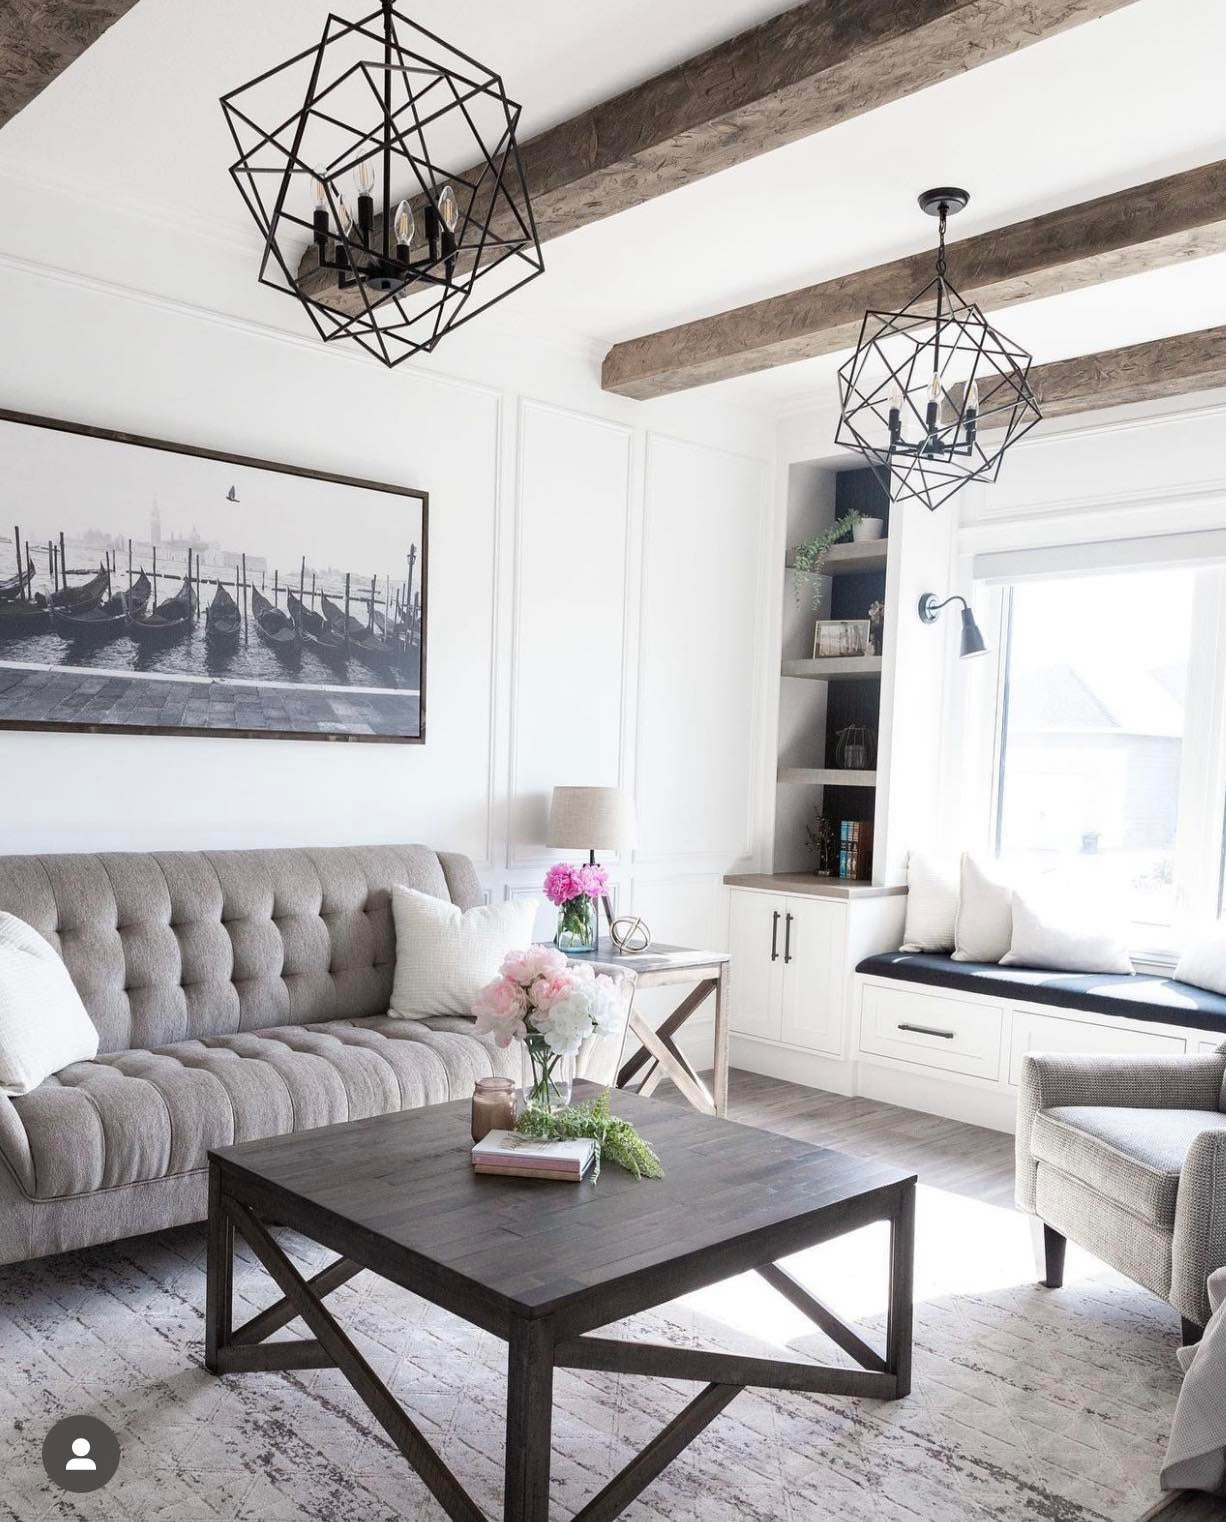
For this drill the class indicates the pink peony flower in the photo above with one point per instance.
(564, 882)
(500, 1008)
(593, 881)
(525, 967)
(549, 988)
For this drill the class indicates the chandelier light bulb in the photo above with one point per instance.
(894, 401)
(972, 397)
(343, 214)
(364, 175)
(934, 388)
(320, 191)
(404, 225)
(448, 208)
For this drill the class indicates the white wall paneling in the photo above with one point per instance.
(568, 652)
(700, 653)
(536, 482)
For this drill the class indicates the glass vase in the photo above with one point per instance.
(547, 1077)
(576, 931)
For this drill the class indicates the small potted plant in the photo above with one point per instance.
(552, 1007)
(575, 891)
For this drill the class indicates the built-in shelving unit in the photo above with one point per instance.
(821, 697)
(834, 668)
(827, 776)
(847, 559)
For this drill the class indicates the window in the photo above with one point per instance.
(1109, 748)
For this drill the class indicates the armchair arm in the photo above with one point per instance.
(1141, 1082)
(1200, 1225)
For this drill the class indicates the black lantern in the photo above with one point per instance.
(382, 169)
(926, 383)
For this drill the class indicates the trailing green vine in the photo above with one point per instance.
(617, 1140)
(807, 559)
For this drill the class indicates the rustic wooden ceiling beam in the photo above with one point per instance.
(1140, 372)
(40, 38)
(794, 74)
(1126, 233)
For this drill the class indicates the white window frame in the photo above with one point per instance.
(1201, 831)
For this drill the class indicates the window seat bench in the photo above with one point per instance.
(1139, 997)
(952, 1037)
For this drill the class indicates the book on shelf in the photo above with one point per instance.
(855, 858)
(515, 1156)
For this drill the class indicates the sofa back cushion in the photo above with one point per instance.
(172, 946)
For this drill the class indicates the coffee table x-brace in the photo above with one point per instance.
(544, 1265)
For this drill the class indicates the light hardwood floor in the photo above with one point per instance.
(946, 1154)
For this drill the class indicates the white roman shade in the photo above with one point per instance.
(1199, 547)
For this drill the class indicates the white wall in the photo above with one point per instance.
(593, 565)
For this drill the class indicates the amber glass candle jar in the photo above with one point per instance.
(493, 1106)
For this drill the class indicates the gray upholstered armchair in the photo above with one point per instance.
(1127, 1156)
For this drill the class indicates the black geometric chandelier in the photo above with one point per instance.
(925, 383)
(382, 170)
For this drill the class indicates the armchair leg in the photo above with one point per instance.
(1190, 1332)
(1053, 1253)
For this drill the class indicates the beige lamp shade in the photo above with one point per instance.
(591, 819)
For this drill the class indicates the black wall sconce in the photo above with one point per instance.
(972, 642)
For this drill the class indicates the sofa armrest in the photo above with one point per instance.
(1141, 1082)
(1200, 1225)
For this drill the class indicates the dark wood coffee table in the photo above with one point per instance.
(542, 1265)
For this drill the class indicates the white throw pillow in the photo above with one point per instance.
(43, 1024)
(983, 929)
(446, 955)
(1203, 963)
(1057, 936)
(932, 903)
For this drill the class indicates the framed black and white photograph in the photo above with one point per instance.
(833, 637)
(149, 587)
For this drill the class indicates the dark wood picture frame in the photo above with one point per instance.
(252, 462)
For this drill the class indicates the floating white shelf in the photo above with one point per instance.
(827, 776)
(835, 668)
(844, 559)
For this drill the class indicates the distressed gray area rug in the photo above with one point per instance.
(1028, 1407)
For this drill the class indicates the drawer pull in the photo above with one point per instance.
(928, 1030)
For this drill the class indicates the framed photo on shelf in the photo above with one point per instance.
(840, 637)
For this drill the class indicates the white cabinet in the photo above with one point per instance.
(788, 977)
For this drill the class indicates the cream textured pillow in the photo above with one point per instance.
(932, 903)
(1203, 963)
(1057, 936)
(445, 955)
(983, 929)
(43, 1024)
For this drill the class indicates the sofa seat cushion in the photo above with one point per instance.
(129, 1117)
(1133, 1157)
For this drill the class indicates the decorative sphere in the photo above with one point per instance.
(630, 933)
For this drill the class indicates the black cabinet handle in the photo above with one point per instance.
(787, 939)
(928, 1030)
(775, 936)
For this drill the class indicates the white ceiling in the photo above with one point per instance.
(1112, 103)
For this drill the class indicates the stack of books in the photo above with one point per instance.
(514, 1156)
(855, 849)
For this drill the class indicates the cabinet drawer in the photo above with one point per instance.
(1035, 1032)
(932, 1030)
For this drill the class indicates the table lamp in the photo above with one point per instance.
(592, 819)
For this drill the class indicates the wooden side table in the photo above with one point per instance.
(658, 1052)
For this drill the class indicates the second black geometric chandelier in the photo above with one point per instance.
(382, 170)
(926, 383)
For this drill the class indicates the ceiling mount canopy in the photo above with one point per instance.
(382, 170)
(925, 382)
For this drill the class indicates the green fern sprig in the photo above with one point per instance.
(617, 1140)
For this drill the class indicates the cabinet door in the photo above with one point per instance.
(814, 981)
(756, 943)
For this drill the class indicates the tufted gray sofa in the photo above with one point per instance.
(237, 994)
